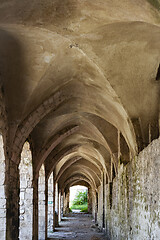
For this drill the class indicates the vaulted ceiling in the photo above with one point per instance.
(80, 81)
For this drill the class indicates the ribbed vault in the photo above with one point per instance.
(79, 80)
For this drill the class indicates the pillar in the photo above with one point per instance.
(67, 202)
(2, 192)
(50, 203)
(89, 200)
(96, 207)
(41, 205)
(46, 207)
(93, 203)
(56, 205)
(59, 205)
(12, 204)
(105, 199)
(26, 194)
(64, 203)
(54, 218)
(103, 225)
(35, 209)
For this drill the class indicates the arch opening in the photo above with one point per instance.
(78, 199)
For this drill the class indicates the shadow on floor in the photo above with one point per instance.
(77, 226)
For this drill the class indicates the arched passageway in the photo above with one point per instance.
(79, 105)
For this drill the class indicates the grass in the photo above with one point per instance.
(83, 208)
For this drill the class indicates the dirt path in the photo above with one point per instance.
(77, 226)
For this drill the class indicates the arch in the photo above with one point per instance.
(81, 169)
(68, 163)
(75, 179)
(69, 149)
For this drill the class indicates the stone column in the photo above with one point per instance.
(56, 205)
(50, 203)
(41, 204)
(54, 220)
(66, 202)
(93, 203)
(2, 192)
(90, 200)
(12, 206)
(96, 207)
(59, 205)
(35, 209)
(26, 194)
(103, 224)
(100, 206)
(46, 208)
(105, 200)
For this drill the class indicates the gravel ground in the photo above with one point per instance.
(77, 226)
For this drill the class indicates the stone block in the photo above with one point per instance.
(23, 184)
(2, 191)
(2, 234)
(2, 213)
(22, 195)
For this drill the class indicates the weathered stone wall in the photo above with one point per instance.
(2, 192)
(26, 194)
(134, 209)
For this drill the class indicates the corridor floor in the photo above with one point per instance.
(77, 226)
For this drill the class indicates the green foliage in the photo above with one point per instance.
(83, 208)
(80, 199)
(155, 3)
(80, 202)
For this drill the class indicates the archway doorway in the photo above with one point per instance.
(78, 199)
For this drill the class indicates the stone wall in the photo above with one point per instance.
(26, 193)
(133, 210)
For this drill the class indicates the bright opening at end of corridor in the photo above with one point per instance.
(78, 199)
